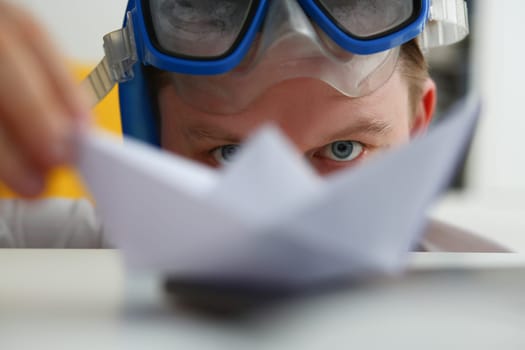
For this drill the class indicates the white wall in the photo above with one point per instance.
(498, 159)
(494, 204)
(78, 26)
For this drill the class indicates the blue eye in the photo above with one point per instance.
(225, 154)
(343, 151)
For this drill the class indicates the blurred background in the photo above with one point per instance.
(488, 195)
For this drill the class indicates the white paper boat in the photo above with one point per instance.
(268, 218)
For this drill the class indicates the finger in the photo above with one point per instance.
(15, 172)
(67, 91)
(29, 108)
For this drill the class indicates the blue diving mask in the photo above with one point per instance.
(221, 55)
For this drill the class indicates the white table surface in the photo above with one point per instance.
(82, 299)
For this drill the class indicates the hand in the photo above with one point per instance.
(41, 106)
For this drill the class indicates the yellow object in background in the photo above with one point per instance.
(64, 182)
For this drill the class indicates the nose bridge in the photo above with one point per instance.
(285, 20)
(285, 15)
(298, 109)
(297, 134)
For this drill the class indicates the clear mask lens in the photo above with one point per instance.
(369, 18)
(198, 28)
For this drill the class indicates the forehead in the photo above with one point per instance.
(308, 110)
(307, 99)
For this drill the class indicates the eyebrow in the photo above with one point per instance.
(215, 133)
(362, 126)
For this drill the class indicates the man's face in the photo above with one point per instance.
(333, 131)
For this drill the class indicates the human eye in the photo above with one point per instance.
(225, 154)
(342, 151)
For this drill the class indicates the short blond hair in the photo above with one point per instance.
(414, 68)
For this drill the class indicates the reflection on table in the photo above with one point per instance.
(78, 299)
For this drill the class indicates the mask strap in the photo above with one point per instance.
(447, 24)
(116, 66)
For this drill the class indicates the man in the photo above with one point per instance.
(343, 79)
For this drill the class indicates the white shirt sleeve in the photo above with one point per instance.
(49, 223)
